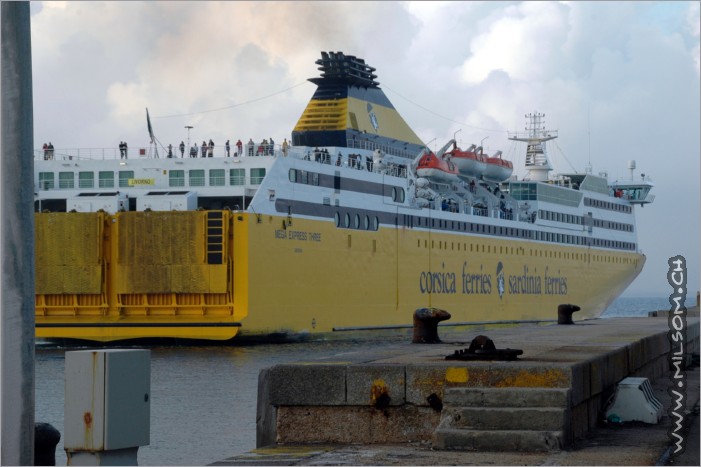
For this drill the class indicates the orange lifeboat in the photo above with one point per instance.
(498, 169)
(437, 169)
(469, 162)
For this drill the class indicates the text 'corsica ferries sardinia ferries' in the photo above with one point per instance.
(353, 226)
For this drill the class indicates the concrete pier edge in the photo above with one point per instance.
(379, 398)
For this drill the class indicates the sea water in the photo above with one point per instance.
(203, 399)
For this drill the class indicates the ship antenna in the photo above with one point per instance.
(589, 133)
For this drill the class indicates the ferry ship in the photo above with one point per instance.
(354, 225)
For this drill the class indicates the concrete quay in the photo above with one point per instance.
(407, 404)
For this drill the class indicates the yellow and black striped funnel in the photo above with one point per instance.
(350, 110)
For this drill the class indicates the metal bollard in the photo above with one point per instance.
(564, 313)
(426, 325)
(46, 437)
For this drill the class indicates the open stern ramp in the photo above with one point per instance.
(135, 274)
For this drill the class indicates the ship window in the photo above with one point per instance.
(301, 175)
(346, 222)
(401, 195)
(105, 179)
(124, 177)
(337, 219)
(196, 177)
(315, 179)
(367, 222)
(46, 180)
(176, 178)
(376, 223)
(293, 175)
(394, 194)
(257, 176)
(66, 179)
(86, 179)
(237, 177)
(356, 223)
(216, 177)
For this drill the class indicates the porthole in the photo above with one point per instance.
(347, 220)
(376, 223)
(356, 224)
(367, 222)
(337, 218)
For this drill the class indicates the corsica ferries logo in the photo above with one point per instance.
(477, 281)
(500, 279)
(373, 117)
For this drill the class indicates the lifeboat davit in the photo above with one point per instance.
(437, 169)
(469, 162)
(497, 169)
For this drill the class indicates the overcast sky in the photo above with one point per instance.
(619, 80)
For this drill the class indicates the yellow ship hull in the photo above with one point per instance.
(315, 277)
(213, 274)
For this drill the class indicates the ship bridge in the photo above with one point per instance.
(635, 191)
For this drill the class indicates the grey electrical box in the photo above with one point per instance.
(107, 404)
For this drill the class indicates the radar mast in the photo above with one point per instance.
(537, 163)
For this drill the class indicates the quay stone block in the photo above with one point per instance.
(636, 356)
(597, 367)
(579, 421)
(366, 384)
(405, 424)
(530, 375)
(307, 385)
(595, 411)
(506, 418)
(355, 425)
(498, 441)
(580, 383)
(616, 366)
(266, 413)
(334, 425)
(507, 397)
(424, 380)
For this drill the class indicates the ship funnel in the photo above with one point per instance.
(631, 167)
(349, 109)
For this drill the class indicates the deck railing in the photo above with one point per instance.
(113, 153)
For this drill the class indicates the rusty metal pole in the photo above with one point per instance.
(17, 188)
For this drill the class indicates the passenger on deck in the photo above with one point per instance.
(251, 144)
(285, 145)
(228, 148)
(204, 149)
(193, 150)
(170, 151)
(46, 151)
(210, 152)
(271, 147)
(51, 151)
(239, 146)
(182, 149)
